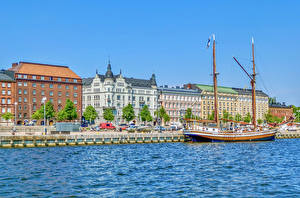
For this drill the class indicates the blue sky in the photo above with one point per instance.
(167, 38)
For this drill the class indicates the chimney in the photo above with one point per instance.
(14, 65)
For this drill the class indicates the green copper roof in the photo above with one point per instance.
(221, 89)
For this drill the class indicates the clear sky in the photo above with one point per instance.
(167, 38)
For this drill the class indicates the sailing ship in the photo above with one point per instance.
(198, 132)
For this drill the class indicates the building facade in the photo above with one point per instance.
(281, 110)
(35, 81)
(177, 100)
(115, 92)
(233, 100)
(7, 90)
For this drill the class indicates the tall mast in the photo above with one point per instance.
(215, 82)
(253, 89)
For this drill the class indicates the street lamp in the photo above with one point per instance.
(15, 123)
(44, 102)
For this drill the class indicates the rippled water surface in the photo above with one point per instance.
(264, 169)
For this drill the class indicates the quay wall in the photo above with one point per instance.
(288, 134)
(19, 141)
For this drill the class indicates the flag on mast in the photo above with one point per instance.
(208, 42)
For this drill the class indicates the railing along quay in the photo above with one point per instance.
(19, 141)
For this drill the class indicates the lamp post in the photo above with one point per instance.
(15, 123)
(44, 102)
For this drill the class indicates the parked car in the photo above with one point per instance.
(107, 126)
(123, 126)
(159, 128)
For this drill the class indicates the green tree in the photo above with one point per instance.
(259, 121)
(108, 114)
(145, 114)
(128, 113)
(7, 116)
(247, 118)
(188, 114)
(211, 116)
(162, 114)
(68, 113)
(49, 112)
(90, 113)
(296, 111)
(225, 116)
(238, 117)
(269, 118)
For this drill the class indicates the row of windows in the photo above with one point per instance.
(5, 101)
(6, 85)
(25, 84)
(182, 98)
(24, 76)
(3, 92)
(51, 93)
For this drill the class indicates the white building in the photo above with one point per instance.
(116, 91)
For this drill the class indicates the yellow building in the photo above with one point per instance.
(233, 100)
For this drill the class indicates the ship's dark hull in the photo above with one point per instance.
(195, 137)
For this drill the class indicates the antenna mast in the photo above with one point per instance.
(215, 82)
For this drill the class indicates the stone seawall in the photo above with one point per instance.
(19, 141)
(288, 134)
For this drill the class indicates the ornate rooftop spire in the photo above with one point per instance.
(109, 73)
(153, 80)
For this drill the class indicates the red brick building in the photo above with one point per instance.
(7, 90)
(35, 81)
(281, 110)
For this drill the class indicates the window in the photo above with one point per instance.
(58, 79)
(20, 107)
(42, 78)
(50, 78)
(8, 85)
(34, 77)
(51, 93)
(9, 109)
(50, 85)
(20, 91)
(75, 94)
(34, 92)
(3, 92)
(33, 84)
(75, 102)
(75, 80)
(75, 87)
(3, 110)
(67, 86)
(3, 101)
(3, 84)
(25, 99)
(34, 100)
(25, 84)
(118, 97)
(51, 100)
(19, 76)
(59, 93)
(25, 91)
(9, 92)
(43, 93)
(34, 107)
(42, 85)
(67, 80)
(20, 99)
(67, 94)
(25, 76)
(59, 86)
(59, 101)
(19, 84)
(25, 107)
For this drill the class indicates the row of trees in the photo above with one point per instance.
(238, 117)
(127, 114)
(67, 113)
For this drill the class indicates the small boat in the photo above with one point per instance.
(196, 130)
